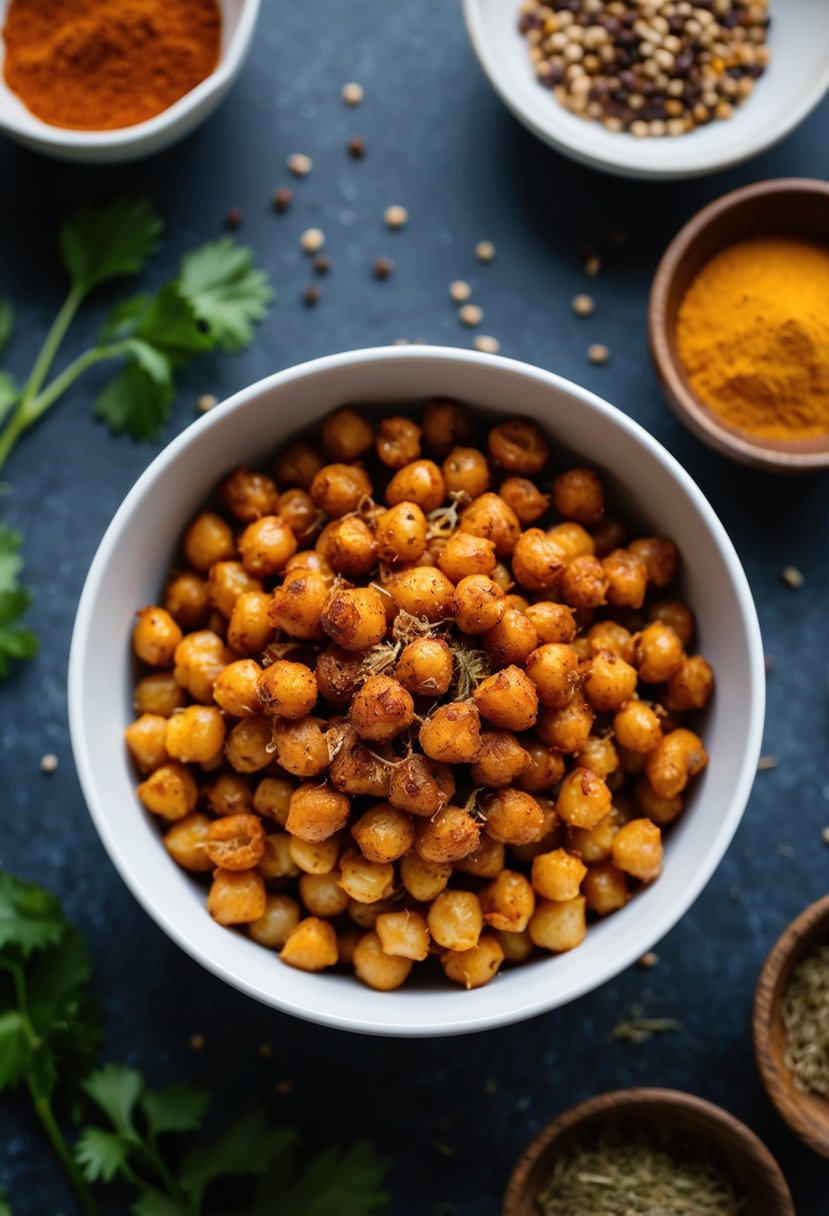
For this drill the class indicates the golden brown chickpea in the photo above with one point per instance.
(578, 495)
(572, 539)
(567, 729)
(678, 758)
(559, 926)
(583, 582)
(196, 735)
(420, 482)
(660, 809)
(544, 769)
(423, 879)
(297, 509)
(425, 667)
(236, 897)
(599, 755)
(417, 786)
(208, 540)
(515, 947)
(198, 660)
(511, 641)
(226, 582)
(228, 794)
(309, 559)
(502, 576)
(185, 598)
(465, 471)
(363, 880)
(277, 863)
(297, 605)
(500, 761)
(448, 836)
(384, 833)
(608, 535)
(353, 546)
(675, 614)
(272, 798)
(513, 817)
(381, 971)
(476, 967)
(465, 554)
(347, 942)
(487, 861)
(549, 838)
(170, 791)
(249, 630)
(508, 902)
(490, 517)
(554, 670)
(404, 934)
(632, 763)
(355, 769)
(518, 446)
(610, 682)
(298, 464)
(381, 709)
(311, 946)
(248, 747)
(519, 603)
(553, 622)
(340, 488)
(355, 617)
(445, 424)
(636, 727)
(613, 637)
(145, 738)
(583, 798)
(156, 636)
(455, 920)
(627, 579)
(266, 544)
(525, 498)
(287, 690)
(347, 435)
(235, 689)
(398, 441)
(595, 844)
(637, 849)
(314, 856)
(327, 539)
(317, 811)
(422, 591)
(248, 495)
(659, 555)
(275, 925)
(658, 653)
(508, 699)
(605, 889)
(691, 686)
(537, 561)
(158, 694)
(401, 533)
(236, 842)
(338, 674)
(322, 895)
(185, 842)
(557, 875)
(301, 745)
(478, 604)
(452, 734)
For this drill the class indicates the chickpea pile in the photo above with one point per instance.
(412, 697)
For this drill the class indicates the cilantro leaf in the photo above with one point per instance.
(14, 1048)
(336, 1182)
(249, 1146)
(6, 323)
(100, 1154)
(153, 1203)
(10, 560)
(116, 1089)
(171, 324)
(134, 401)
(30, 918)
(16, 642)
(5, 1206)
(8, 393)
(178, 1108)
(63, 1015)
(105, 240)
(227, 292)
(120, 321)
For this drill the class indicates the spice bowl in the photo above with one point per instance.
(144, 138)
(807, 1114)
(795, 207)
(743, 1158)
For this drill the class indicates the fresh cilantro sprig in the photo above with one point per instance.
(134, 1134)
(16, 640)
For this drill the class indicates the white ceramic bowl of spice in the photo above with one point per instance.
(128, 569)
(791, 85)
(76, 50)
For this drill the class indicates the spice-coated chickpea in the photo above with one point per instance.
(208, 540)
(199, 657)
(608, 535)
(248, 495)
(425, 667)
(537, 561)
(236, 842)
(445, 424)
(314, 856)
(595, 844)
(398, 441)
(170, 792)
(347, 436)
(661, 809)
(573, 540)
(518, 446)
(525, 499)
(156, 636)
(636, 727)
(490, 517)
(355, 769)
(452, 734)
(235, 689)
(578, 495)
(448, 836)
(583, 798)
(248, 746)
(422, 591)
(273, 928)
(567, 729)
(420, 786)
(677, 615)
(355, 617)
(363, 880)
(185, 598)
(226, 582)
(637, 849)
(340, 488)
(420, 482)
(554, 671)
(465, 554)
(478, 604)
(301, 746)
(381, 709)
(599, 755)
(347, 942)
(296, 606)
(297, 509)
(383, 833)
(277, 863)
(508, 699)
(236, 897)
(515, 947)
(266, 544)
(317, 811)
(513, 817)
(678, 758)
(185, 842)
(157, 693)
(401, 533)
(611, 636)
(690, 687)
(297, 465)
(311, 946)
(465, 471)
(287, 690)
(633, 763)
(196, 735)
(508, 902)
(487, 861)
(557, 875)
(660, 556)
(146, 740)
(583, 582)
(627, 579)
(272, 798)
(610, 682)
(424, 880)
(228, 794)
(338, 674)
(322, 895)
(605, 888)
(352, 547)
(559, 926)
(476, 967)
(455, 920)
(553, 622)
(379, 970)
(511, 641)
(545, 767)
(249, 630)
(501, 760)
(657, 652)
(404, 934)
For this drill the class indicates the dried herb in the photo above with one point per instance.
(806, 1018)
(633, 1027)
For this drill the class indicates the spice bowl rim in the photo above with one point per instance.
(128, 568)
(685, 251)
(807, 1115)
(648, 1103)
(141, 139)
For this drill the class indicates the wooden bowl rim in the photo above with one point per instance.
(771, 455)
(790, 946)
(644, 1099)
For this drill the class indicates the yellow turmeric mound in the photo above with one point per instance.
(753, 337)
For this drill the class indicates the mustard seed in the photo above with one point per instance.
(312, 240)
(396, 216)
(460, 291)
(299, 164)
(597, 353)
(582, 305)
(471, 315)
(485, 251)
(486, 344)
(353, 93)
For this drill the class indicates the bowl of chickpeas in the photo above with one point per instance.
(409, 711)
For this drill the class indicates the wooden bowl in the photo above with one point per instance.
(790, 206)
(744, 1158)
(806, 1114)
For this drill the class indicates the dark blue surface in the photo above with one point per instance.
(453, 1114)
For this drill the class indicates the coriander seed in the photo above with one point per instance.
(282, 199)
(460, 291)
(598, 353)
(312, 240)
(197, 1042)
(486, 345)
(648, 960)
(396, 216)
(353, 93)
(321, 264)
(471, 315)
(792, 577)
(48, 763)
(592, 266)
(583, 305)
(383, 267)
(357, 147)
(485, 251)
(311, 296)
(206, 402)
(234, 218)
(299, 164)
(825, 835)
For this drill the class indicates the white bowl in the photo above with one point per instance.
(131, 143)
(792, 86)
(128, 571)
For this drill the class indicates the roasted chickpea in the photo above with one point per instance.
(208, 540)
(537, 561)
(678, 758)
(608, 535)
(363, 880)
(340, 488)
(583, 582)
(583, 798)
(465, 471)
(448, 836)
(637, 849)
(567, 729)
(512, 816)
(662, 810)
(297, 605)
(420, 482)
(236, 842)
(465, 554)
(595, 844)
(353, 546)
(660, 556)
(322, 895)
(455, 920)
(599, 755)
(275, 925)
(196, 735)
(518, 446)
(605, 889)
(228, 794)
(452, 734)
(627, 579)
(249, 630)
(248, 747)
(613, 637)
(545, 767)
(658, 653)
(309, 559)
(636, 727)
(578, 495)
(557, 875)
(487, 861)
(610, 682)
(226, 582)
(445, 423)
(272, 798)
(508, 699)
(398, 441)
(355, 769)
(511, 641)
(422, 591)
(490, 517)
(235, 689)
(500, 761)
(236, 897)
(478, 604)
(158, 694)
(554, 671)
(317, 811)
(248, 495)
(185, 842)
(277, 863)
(425, 667)
(675, 614)
(476, 967)
(355, 617)
(198, 660)
(384, 833)
(572, 539)
(297, 509)
(267, 543)
(552, 622)
(301, 745)
(690, 687)
(559, 926)
(146, 740)
(508, 902)
(525, 498)
(381, 971)
(381, 709)
(311, 946)
(404, 934)
(423, 880)
(420, 786)
(287, 690)
(298, 464)
(338, 673)
(156, 637)
(314, 856)
(401, 533)
(515, 947)
(347, 435)
(185, 598)
(170, 791)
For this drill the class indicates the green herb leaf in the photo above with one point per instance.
(116, 1089)
(11, 562)
(6, 323)
(249, 1146)
(5, 1206)
(227, 292)
(14, 1048)
(100, 1154)
(106, 240)
(62, 1013)
(336, 1182)
(30, 918)
(16, 642)
(9, 393)
(134, 401)
(153, 1203)
(170, 323)
(178, 1108)
(120, 321)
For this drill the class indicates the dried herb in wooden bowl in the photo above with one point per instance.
(806, 1019)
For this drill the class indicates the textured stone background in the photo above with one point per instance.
(439, 142)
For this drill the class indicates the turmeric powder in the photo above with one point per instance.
(102, 64)
(753, 337)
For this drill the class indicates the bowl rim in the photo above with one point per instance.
(700, 420)
(83, 634)
(717, 1118)
(623, 165)
(781, 959)
(46, 135)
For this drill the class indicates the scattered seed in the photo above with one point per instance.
(322, 264)
(766, 762)
(312, 240)
(282, 198)
(265, 1050)
(825, 835)
(592, 266)
(460, 291)
(486, 344)
(206, 402)
(597, 353)
(197, 1042)
(383, 267)
(311, 296)
(357, 147)
(582, 305)
(234, 218)
(299, 164)
(792, 577)
(471, 314)
(284, 1087)
(651, 959)
(353, 93)
(485, 251)
(396, 216)
(48, 763)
